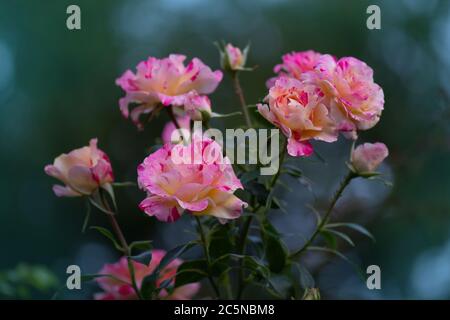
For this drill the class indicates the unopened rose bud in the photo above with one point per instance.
(82, 171)
(367, 157)
(232, 58)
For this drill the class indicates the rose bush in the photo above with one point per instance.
(313, 97)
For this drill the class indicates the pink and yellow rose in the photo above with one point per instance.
(82, 171)
(349, 83)
(166, 82)
(118, 286)
(204, 184)
(299, 109)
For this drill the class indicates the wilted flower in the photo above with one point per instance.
(204, 184)
(166, 82)
(298, 109)
(349, 82)
(82, 171)
(367, 157)
(119, 287)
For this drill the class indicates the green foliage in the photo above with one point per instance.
(276, 251)
(26, 281)
(105, 232)
(220, 240)
(174, 254)
(191, 271)
(354, 226)
(141, 245)
(143, 258)
(148, 286)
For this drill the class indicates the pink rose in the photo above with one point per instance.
(299, 110)
(368, 156)
(204, 185)
(349, 82)
(295, 64)
(166, 82)
(120, 288)
(82, 171)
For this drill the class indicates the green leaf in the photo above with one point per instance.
(259, 190)
(95, 200)
(148, 286)
(330, 239)
(275, 250)
(173, 254)
(253, 264)
(108, 235)
(275, 204)
(292, 171)
(87, 217)
(110, 191)
(302, 276)
(250, 263)
(141, 245)
(353, 226)
(342, 236)
(316, 213)
(340, 255)
(220, 241)
(191, 271)
(143, 258)
(219, 115)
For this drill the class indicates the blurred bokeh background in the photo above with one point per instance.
(57, 91)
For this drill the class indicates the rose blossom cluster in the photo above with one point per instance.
(317, 96)
(313, 97)
(117, 285)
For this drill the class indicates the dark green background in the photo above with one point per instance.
(57, 91)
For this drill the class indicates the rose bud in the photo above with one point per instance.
(368, 156)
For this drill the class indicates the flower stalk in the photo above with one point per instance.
(207, 256)
(344, 183)
(248, 222)
(240, 95)
(123, 242)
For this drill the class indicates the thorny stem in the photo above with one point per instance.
(125, 248)
(248, 222)
(344, 183)
(208, 258)
(240, 94)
